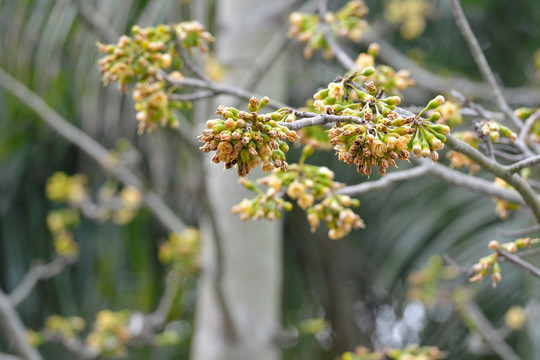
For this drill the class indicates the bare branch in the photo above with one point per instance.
(473, 183)
(11, 324)
(312, 119)
(385, 181)
(519, 232)
(488, 332)
(481, 62)
(36, 273)
(514, 259)
(200, 95)
(221, 88)
(484, 114)
(525, 163)
(185, 59)
(521, 186)
(345, 60)
(88, 145)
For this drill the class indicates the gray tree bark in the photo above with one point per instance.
(251, 271)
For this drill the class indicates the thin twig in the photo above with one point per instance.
(385, 181)
(200, 95)
(221, 88)
(91, 147)
(519, 232)
(345, 60)
(11, 324)
(521, 186)
(466, 102)
(481, 62)
(519, 262)
(488, 332)
(525, 163)
(475, 184)
(36, 273)
(185, 59)
(508, 157)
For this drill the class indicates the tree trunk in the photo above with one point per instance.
(250, 275)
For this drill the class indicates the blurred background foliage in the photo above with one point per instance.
(358, 284)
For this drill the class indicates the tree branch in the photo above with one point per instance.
(488, 332)
(385, 181)
(221, 88)
(36, 273)
(525, 163)
(473, 183)
(345, 60)
(481, 62)
(11, 324)
(516, 260)
(521, 186)
(88, 145)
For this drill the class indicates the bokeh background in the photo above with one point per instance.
(358, 285)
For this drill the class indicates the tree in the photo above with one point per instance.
(366, 123)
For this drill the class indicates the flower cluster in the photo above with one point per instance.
(110, 333)
(411, 352)
(183, 249)
(266, 204)
(306, 184)
(122, 205)
(67, 327)
(380, 136)
(503, 207)
(490, 263)
(347, 22)
(494, 130)
(248, 140)
(139, 59)
(59, 223)
(64, 188)
(384, 77)
(411, 14)
(335, 210)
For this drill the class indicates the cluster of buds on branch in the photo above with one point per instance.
(378, 136)
(411, 352)
(139, 58)
(248, 140)
(306, 184)
(490, 263)
(347, 22)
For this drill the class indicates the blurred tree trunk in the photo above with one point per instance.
(251, 270)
